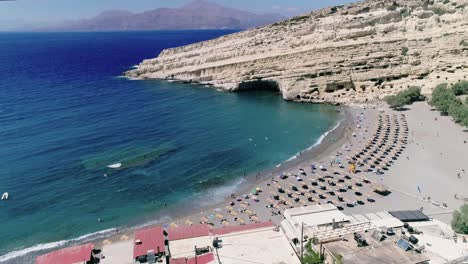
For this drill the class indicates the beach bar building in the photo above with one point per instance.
(148, 243)
(82, 254)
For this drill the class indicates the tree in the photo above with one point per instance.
(460, 220)
(457, 111)
(446, 101)
(405, 97)
(460, 88)
(310, 256)
(442, 98)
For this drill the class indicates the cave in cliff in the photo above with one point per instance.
(259, 85)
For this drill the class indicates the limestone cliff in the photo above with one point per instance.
(353, 53)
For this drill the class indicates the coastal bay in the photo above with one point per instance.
(66, 118)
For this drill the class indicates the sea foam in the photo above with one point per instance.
(57, 244)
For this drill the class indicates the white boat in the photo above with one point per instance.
(5, 196)
(115, 166)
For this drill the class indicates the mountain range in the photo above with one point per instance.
(194, 15)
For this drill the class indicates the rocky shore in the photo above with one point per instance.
(359, 52)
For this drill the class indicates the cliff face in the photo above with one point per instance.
(354, 53)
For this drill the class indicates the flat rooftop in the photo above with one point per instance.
(119, 252)
(256, 246)
(185, 248)
(385, 251)
(315, 215)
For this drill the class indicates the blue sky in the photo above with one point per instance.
(47, 10)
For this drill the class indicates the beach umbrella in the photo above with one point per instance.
(203, 219)
(188, 222)
(225, 223)
(219, 216)
(107, 242)
(124, 237)
(173, 225)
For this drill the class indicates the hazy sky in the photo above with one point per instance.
(46, 10)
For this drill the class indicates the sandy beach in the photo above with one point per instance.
(429, 154)
(436, 160)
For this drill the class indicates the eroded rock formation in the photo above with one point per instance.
(354, 53)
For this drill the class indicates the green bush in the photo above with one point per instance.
(404, 51)
(442, 98)
(310, 256)
(403, 98)
(446, 101)
(460, 88)
(460, 220)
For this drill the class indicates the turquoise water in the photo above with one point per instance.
(65, 115)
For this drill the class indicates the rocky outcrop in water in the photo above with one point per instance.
(354, 53)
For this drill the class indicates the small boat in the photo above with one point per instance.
(5, 196)
(115, 166)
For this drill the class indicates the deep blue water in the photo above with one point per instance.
(65, 115)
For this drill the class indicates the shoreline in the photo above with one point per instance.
(329, 142)
(333, 140)
(354, 131)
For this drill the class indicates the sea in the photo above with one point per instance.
(66, 114)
